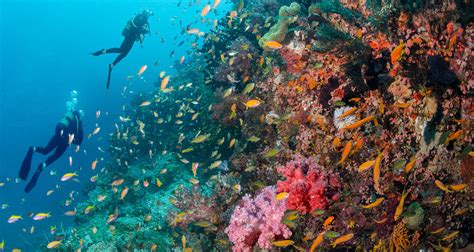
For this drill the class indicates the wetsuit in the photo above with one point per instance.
(134, 30)
(70, 124)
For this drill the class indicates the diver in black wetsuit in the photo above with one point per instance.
(135, 30)
(69, 127)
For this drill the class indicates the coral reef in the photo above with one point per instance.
(257, 221)
(278, 31)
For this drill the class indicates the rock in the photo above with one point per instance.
(278, 31)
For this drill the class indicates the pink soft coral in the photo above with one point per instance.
(307, 184)
(257, 221)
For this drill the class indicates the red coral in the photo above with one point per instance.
(307, 184)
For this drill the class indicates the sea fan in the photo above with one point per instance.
(343, 122)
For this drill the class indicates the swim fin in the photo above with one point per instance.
(34, 179)
(108, 77)
(100, 52)
(26, 164)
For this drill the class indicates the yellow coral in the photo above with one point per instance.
(399, 238)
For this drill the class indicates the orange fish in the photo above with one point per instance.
(399, 209)
(378, 161)
(342, 239)
(117, 182)
(458, 187)
(358, 144)
(360, 122)
(347, 113)
(317, 242)
(142, 70)
(373, 204)
(328, 221)
(205, 10)
(164, 82)
(397, 53)
(216, 2)
(345, 152)
(410, 165)
(94, 164)
(366, 165)
(453, 136)
(441, 186)
(124, 193)
(273, 45)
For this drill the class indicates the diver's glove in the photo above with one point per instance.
(35, 177)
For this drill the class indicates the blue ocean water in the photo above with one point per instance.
(44, 55)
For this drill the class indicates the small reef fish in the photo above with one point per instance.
(205, 10)
(158, 183)
(164, 82)
(145, 103)
(410, 165)
(194, 167)
(70, 213)
(319, 239)
(360, 122)
(342, 239)
(283, 243)
(53, 244)
(94, 164)
(49, 192)
(215, 164)
(367, 165)
(399, 209)
(70, 138)
(373, 204)
(199, 139)
(96, 130)
(142, 70)
(216, 3)
(41, 216)
(345, 152)
(14, 218)
(252, 104)
(123, 193)
(68, 176)
(282, 196)
(441, 186)
(450, 236)
(88, 209)
(328, 221)
(397, 53)
(377, 164)
(117, 182)
(458, 187)
(273, 44)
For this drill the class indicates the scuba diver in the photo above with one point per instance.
(68, 131)
(135, 30)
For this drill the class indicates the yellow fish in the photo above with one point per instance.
(378, 161)
(252, 104)
(458, 187)
(366, 165)
(342, 239)
(410, 165)
(215, 164)
(54, 244)
(397, 53)
(158, 182)
(360, 122)
(164, 82)
(282, 196)
(441, 186)
(204, 224)
(145, 103)
(273, 45)
(319, 239)
(283, 243)
(199, 139)
(450, 236)
(345, 152)
(399, 209)
(374, 204)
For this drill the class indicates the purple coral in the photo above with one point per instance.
(257, 221)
